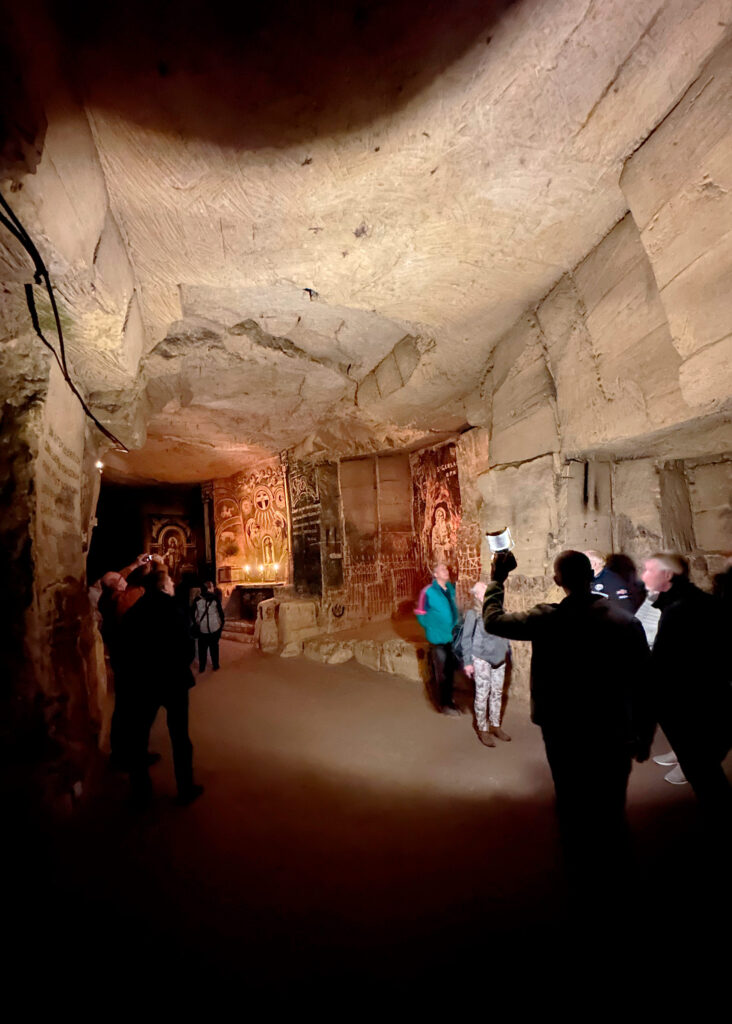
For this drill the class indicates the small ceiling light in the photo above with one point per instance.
(99, 464)
(261, 568)
(276, 566)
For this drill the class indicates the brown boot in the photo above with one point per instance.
(486, 739)
(498, 732)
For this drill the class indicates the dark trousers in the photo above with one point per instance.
(443, 666)
(701, 763)
(122, 718)
(208, 642)
(119, 729)
(591, 782)
(175, 702)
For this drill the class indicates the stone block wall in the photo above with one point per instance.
(679, 189)
(603, 418)
(353, 537)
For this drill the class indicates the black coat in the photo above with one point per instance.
(589, 667)
(158, 648)
(692, 667)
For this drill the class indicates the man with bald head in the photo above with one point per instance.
(588, 670)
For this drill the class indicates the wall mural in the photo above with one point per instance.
(437, 506)
(250, 515)
(171, 537)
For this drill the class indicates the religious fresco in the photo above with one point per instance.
(250, 516)
(437, 506)
(171, 537)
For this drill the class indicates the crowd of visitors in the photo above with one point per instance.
(617, 657)
(149, 628)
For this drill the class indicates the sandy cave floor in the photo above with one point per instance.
(348, 838)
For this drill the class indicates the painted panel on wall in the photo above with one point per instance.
(437, 506)
(250, 512)
(171, 537)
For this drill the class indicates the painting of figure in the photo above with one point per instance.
(437, 507)
(443, 548)
(172, 538)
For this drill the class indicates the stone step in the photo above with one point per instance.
(239, 626)
(238, 638)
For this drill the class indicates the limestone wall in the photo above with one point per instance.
(679, 189)
(55, 693)
(603, 418)
(52, 704)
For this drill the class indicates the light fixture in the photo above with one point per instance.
(261, 568)
(276, 566)
(99, 464)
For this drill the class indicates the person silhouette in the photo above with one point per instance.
(589, 669)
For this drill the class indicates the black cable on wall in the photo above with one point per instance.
(15, 227)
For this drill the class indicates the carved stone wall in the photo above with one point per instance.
(53, 692)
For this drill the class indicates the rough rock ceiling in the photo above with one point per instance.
(333, 215)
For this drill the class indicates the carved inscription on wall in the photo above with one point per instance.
(58, 482)
(305, 517)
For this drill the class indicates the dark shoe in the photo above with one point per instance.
(450, 712)
(498, 732)
(189, 795)
(486, 739)
(216, 668)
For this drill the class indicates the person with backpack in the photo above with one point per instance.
(484, 661)
(437, 614)
(208, 619)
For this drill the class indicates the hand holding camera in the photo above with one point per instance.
(503, 563)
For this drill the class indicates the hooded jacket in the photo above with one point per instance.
(437, 612)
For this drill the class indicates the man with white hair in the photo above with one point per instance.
(691, 679)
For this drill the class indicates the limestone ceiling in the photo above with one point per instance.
(302, 189)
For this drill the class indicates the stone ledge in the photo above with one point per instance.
(395, 656)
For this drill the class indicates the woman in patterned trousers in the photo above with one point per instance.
(484, 661)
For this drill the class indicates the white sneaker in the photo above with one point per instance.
(666, 759)
(676, 777)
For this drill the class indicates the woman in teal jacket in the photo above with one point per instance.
(437, 614)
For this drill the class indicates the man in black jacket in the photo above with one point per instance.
(159, 650)
(588, 676)
(692, 679)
